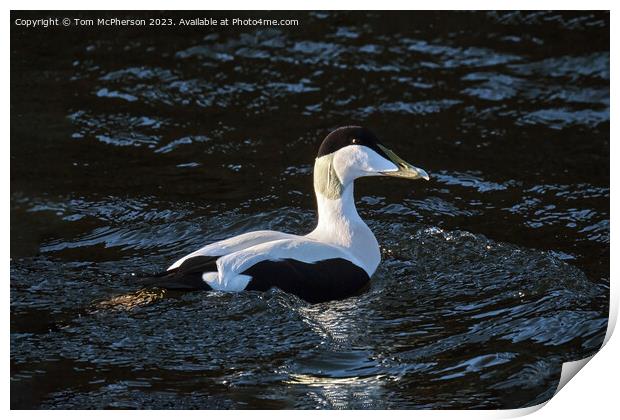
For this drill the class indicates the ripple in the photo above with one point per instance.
(476, 364)
(570, 211)
(118, 129)
(450, 57)
(470, 180)
(559, 118)
(594, 65)
(416, 108)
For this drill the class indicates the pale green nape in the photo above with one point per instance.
(326, 179)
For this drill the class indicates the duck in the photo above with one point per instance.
(334, 261)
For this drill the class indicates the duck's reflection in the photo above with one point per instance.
(339, 373)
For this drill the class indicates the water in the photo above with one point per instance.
(131, 147)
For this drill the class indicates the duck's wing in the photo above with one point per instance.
(310, 269)
(234, 244)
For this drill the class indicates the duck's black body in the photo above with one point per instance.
(322, 281)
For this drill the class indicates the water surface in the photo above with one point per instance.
(131, 147)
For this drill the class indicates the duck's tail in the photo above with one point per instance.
(186, 277)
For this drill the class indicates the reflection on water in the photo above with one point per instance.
(130, 149)
(132, 300)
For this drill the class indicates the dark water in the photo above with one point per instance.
(133, 146)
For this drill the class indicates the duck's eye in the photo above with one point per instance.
(354, 141)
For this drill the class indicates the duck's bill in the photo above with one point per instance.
(405, 170)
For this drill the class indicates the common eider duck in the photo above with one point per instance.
(334, 261)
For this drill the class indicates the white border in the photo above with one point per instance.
(592, 394)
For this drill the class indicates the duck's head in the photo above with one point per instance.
(348, 153)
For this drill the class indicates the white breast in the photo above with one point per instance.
(340, 225)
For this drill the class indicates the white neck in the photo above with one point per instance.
(339, 224)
